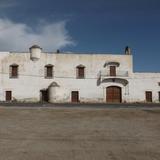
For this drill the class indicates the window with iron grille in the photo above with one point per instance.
(80, 72)
(13, 70)
(49, 71)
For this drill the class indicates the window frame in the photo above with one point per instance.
(78, 74)
(46, 73)
(12, 73)
(111, 69)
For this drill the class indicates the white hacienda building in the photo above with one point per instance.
(66, 77)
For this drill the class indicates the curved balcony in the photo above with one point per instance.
(119, 77)
(119, 73)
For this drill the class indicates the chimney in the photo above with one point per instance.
(127, 51)
(35, 52)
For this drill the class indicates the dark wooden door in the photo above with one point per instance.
(148, 96)
(112, 70)
(44, 95)
(8, 95)
(159, 96)
(75, 96)
(113, 94)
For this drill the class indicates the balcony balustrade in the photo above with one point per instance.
(104, 74)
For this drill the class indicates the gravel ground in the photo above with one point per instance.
(52, 133)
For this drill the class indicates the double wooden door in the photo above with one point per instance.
(113, 94)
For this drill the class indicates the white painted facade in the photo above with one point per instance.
(92, 88)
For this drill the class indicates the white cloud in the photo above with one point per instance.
(19, 36)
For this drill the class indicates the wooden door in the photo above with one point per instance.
(112, 70)
(113, 94)
(159, 96)
(75, 96)
(8, 95)
(148, 96)
(44, 95)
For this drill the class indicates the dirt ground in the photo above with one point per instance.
(79, 133)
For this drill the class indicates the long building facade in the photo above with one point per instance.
(66, 77)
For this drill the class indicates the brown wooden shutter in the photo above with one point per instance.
(112, 70)
(49, 71)
(14, 71)
(80, 72)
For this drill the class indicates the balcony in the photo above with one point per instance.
(120, 77)
(106, 73)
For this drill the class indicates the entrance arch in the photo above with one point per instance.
(113, 94)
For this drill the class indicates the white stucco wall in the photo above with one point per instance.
(31, 77)
(142, 82)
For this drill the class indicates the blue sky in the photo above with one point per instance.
(85, 26)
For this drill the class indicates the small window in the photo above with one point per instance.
(13, 71)
(158, 83)
(80, 72)
(148, 96)
(112, 70)
(49, 71)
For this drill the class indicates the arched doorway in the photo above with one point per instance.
(113, 94)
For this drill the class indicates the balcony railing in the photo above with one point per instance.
(119, 73)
